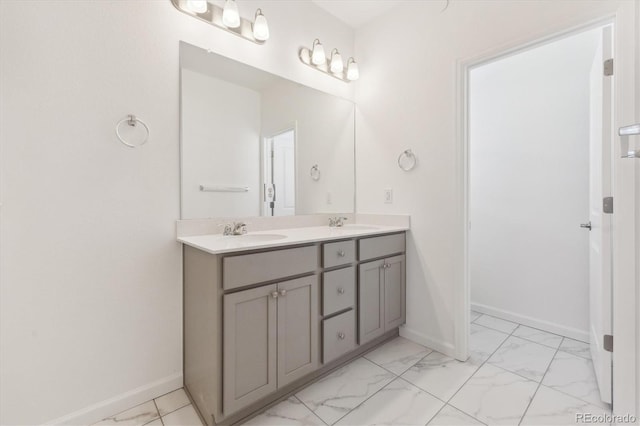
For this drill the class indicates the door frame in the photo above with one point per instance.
(626, 305)
(263, 159)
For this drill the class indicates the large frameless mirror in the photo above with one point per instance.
(253, 143)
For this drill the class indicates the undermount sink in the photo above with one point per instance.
(356, 227)
(256, 238)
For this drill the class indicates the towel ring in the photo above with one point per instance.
(407, 160)
(132, 121)
(315, 172)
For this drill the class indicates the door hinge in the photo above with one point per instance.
(607, 205)
(608, 67)
(607, 343)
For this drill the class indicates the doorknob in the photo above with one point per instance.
(586, 225)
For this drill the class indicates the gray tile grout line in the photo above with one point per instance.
(406, 381)
(392, 372)
(368, 398)
(474, 373)
(305, 406)
(540, 383)
(528, 326)
(446, 403)
(455, 408)
(568, 394)
(396, 376)
(172, 411)
(157, 411)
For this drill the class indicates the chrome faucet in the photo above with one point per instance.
(235, 228)
(337, 222)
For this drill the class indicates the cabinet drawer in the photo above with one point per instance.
(338, 336)
(239, 271)
(338, 290)
(340, 253)
(370, 248)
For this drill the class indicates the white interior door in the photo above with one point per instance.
(280, 174)
(600, 235)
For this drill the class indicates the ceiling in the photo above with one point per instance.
(356, 13)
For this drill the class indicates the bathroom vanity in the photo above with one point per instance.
(266, 313)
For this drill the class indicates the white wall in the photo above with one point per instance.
(325, 133)
(220, 145)
(529, 185)
(407, 97)
(90, 273)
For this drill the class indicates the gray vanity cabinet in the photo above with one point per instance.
(394, 292)
(381, 297)
(298, 326)
(370, 301)
(250, 326)
(258, 324)
(270, 339)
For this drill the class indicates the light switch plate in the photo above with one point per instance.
(388, 196)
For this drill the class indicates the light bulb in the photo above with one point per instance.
(317, 55)
(197, 6)
(260, 27)
(336, 62)
(352, 70)
(230, 14)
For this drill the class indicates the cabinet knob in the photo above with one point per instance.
(385, 265)
(274, 294)
(341, 253)
(341, 336)
(283, 292)
(340, 290)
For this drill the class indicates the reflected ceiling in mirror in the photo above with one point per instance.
(256, 144)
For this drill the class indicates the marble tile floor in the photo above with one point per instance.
(515, 375)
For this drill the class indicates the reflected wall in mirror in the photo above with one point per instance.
(250, 141)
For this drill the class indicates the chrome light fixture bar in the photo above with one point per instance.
(227, 18)
(334, 66)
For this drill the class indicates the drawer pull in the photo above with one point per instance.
(341, 253)
(283, 292)
(341, 336)
(340, 290)
(274, 294)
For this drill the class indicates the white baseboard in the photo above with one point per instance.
(96, 412)
(435, 344)
(573, 333)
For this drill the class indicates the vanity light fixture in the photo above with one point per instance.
(316, 58)
(231, 14)
(317, 53)
(352, 70)
(336, 62)
(197, 6)
(260, 27)
(227, 18)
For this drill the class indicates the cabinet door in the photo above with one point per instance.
(298, 325)
(394, 292)
(249, 346)
(370, 301)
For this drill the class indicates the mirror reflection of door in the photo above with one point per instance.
(280, 174)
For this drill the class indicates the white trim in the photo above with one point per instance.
(96, 412)
(431, 343)
(626, 355)
(625, 227)
(573, 333)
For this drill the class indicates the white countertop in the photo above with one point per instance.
(218, 243)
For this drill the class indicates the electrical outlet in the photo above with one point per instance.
(329, 198)
(388, 196)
